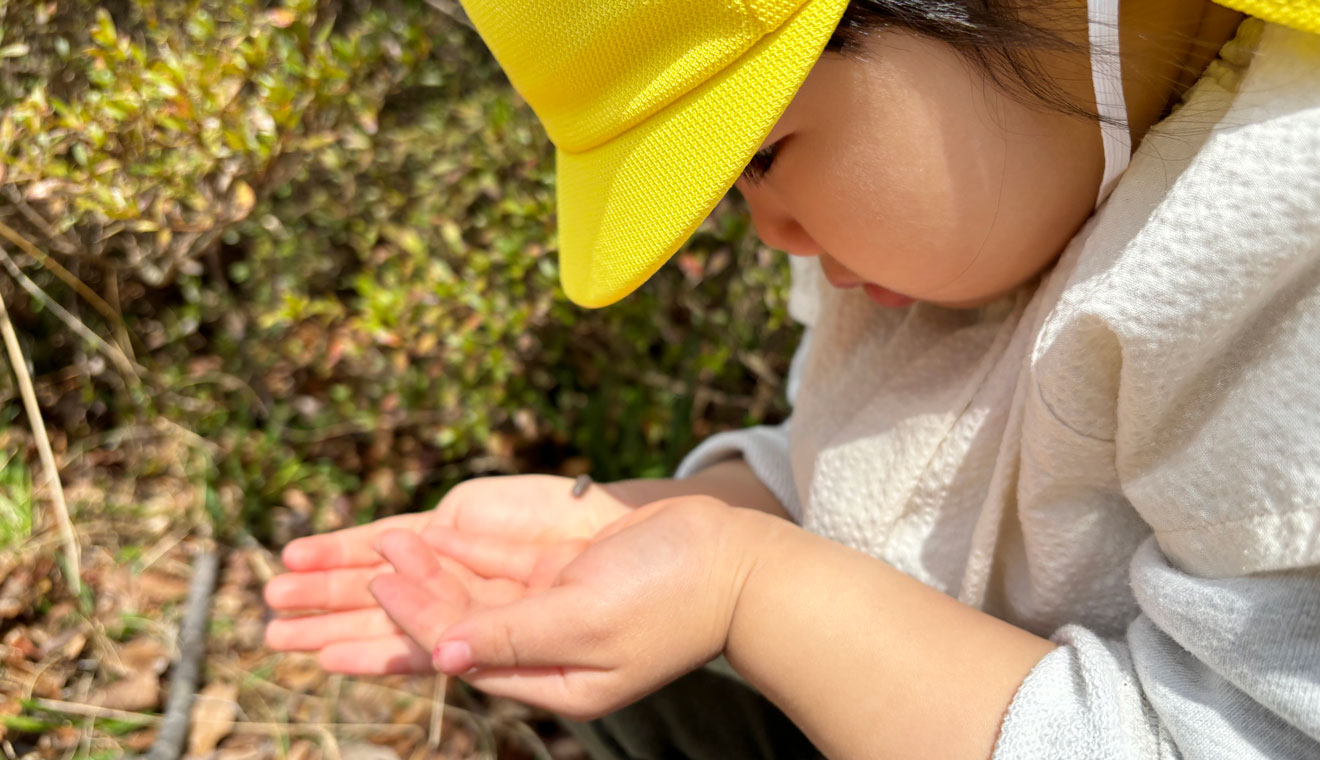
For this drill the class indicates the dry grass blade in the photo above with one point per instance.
(113, 352)
(437, 711)
(19, 363)
(98, 303)
(93, 711)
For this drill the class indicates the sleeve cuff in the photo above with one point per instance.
(764, 448)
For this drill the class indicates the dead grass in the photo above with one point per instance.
(86, 675)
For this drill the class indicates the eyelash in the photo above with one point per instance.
(760, 164)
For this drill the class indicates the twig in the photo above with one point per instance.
(19, 364)
(98, 303)
(192, 647)
(113, 352)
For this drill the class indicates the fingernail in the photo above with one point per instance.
(452, 657)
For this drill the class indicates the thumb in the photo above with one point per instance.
(552, 628)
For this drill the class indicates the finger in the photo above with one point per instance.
(323, 589)
(410, 555)
(350, 547)
(443, 577)
(384, 655)
(421, 614)
(487, 556)
(559, 627)
(306, 634)
(533, 564)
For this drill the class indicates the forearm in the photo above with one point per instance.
(869, 662)
(730, 481)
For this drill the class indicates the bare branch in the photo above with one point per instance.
(98, 303)
(112, 352)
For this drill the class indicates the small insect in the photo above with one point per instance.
(581, 485)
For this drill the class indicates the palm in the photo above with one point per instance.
(578, 626)
(329, 574)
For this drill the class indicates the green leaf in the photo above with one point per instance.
(28, 724)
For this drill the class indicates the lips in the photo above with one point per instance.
(837, 276)
(887, 297)
(846, 280)
(842, 285)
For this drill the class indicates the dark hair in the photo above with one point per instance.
(990, 35)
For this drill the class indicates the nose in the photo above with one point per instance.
(776, 225)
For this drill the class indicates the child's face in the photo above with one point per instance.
(912, 172)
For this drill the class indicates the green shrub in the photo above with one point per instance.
(322, 236)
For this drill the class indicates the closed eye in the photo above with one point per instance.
(760, 164)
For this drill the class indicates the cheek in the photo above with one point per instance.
(934, 184)
(907, 203)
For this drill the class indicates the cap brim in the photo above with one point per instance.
(625, 206)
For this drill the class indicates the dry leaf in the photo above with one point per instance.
(244, 200)
(241, 753)
(366, 751)
(140, 691)
(304, 750)
(144, 655)
(157, 587)
(140, 741)
(298, 501)
(68, 644)
(213, 714)
(41, 190)
(298, 672)
(281, 17)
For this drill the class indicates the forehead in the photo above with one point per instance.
(898, 79)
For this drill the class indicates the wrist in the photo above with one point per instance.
(731, 481)
(763, 543)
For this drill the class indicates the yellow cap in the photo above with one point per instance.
(1302, 15)
(654, 107)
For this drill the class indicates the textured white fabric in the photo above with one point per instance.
(1124, 456)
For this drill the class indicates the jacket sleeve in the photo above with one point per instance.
(765, 447)
(1212, 668)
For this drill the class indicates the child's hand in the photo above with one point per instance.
(585, 627)
(329, 573)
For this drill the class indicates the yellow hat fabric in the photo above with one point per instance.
(1303, 15)
(654, 107)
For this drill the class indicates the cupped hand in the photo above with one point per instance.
(329, 574)
(577, 627)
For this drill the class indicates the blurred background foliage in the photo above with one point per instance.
(303, 256)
